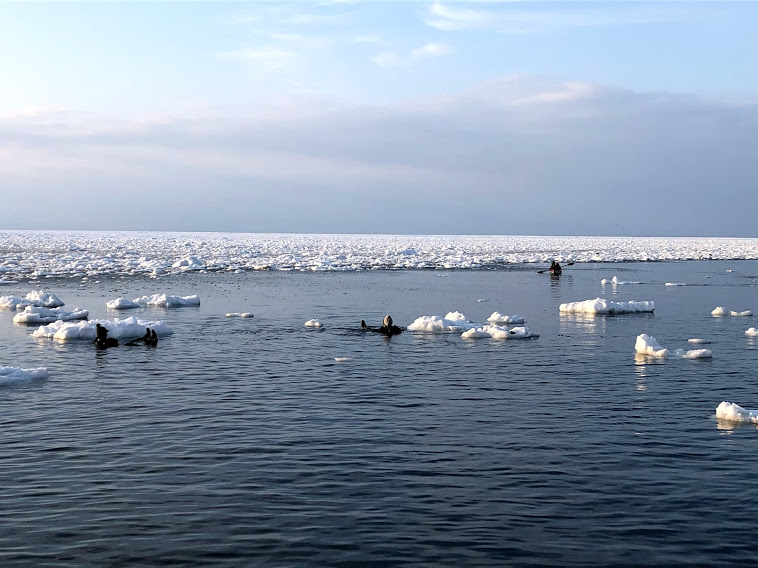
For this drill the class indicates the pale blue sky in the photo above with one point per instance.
(406, 117)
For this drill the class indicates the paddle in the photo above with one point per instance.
(542, 271)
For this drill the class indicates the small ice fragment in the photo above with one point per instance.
(342, 359)
(313, 323)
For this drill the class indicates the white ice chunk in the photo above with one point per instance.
(499, 332)
(694, 353)
(166, 301)
(119, 328)
(12, 375)
(735, 413)
(675, 284)
(121, 304)
(698, 340)
(751, 332)
(499, 319)
(239, 315)
(342, 359)
(647, 345)
(616, 282)
(603, 306)
(38, 314)
(313, 323)
(721, 311)
(453, 321)
(33, 298)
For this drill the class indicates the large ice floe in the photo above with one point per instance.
(453, 321)
(166, 301)
(34, 298)
(722, 311)
(735, 413)
(36, 315)
(13, 375)
(127, 328)
(602, 306)
(499, 319)
(648, 345)
(42, 254)
(499, 332)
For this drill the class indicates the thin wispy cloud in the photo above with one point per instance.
(519, 17)
(430, 50)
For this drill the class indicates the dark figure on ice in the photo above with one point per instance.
(102, 340)
(387, 328)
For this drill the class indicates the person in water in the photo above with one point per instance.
(101, 338)
(555, 268)
(387, 328)
(150, 338)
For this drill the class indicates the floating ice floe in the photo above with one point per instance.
(722, 311)
(604, 307)
(342, 359)
(38, 314)
(121, 304)
(499, 332)
(33, 298)
(189, 263)
(127, 328)
(453, 321)
(735, 413)
(675, 284)
(751, 332)
(313, 323)
(12, 375)
(698, 340)
(616, 282)
(648, 345)
(166, 301)
(239, 315)
(499, 319)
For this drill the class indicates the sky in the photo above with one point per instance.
(523, 117)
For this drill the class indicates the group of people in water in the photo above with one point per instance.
(102, 341)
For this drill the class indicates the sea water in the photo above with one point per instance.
(262, 442)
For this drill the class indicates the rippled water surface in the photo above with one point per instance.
(242, 442)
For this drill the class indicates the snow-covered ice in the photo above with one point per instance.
(95, 253)
(167, 301)
(38, 314)
(751, 332)
(13, 375)
(239, 315)
(721, 311)
(675, 284)
(121, 304)
(604, 307)
(341, 359)
(453, 321)
(127, 328)
(499, 332)
(648, 345)
(500, 319)
(35, 298)
(313, 323)
(698, 340)
(735, 413)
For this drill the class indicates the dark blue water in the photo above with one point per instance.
(242, 442)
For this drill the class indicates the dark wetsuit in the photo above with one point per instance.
(388, 329)
(102, 340)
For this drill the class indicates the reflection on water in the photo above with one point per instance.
(583, 323)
